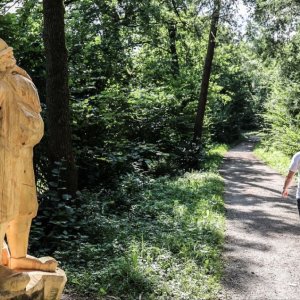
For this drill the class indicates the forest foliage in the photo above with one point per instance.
(135, 69)
(277, 48)
(133, 101)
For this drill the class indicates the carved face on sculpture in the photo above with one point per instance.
(7, 60)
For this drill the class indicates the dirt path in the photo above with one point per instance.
(262, 248)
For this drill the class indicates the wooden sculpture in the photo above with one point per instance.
(21, 128)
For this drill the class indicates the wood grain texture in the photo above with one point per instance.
(39, 286)
(21, 128)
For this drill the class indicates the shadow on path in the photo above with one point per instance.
(262, 231)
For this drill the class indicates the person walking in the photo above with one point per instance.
(293, 169)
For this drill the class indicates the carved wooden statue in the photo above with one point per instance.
(21, 128)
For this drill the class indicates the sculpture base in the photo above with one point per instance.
(42, 286)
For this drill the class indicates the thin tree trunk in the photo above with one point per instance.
(57, 96)
(172, 29)
(207, 71)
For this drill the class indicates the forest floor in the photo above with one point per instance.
(262, 244)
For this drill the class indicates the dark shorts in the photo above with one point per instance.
(298, 204)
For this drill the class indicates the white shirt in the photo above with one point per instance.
(295, 167)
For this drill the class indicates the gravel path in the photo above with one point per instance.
(262, 247)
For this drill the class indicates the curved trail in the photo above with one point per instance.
(262, 245)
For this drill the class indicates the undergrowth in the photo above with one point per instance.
(163, 242)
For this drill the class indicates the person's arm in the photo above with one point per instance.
(287, 183)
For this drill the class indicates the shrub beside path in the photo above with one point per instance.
(262, 245)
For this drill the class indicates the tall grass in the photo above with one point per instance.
(273, 157)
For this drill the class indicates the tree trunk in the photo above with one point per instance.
(57, 97)
(207, 71)
(172, 29)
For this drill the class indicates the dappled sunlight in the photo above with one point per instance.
(168, 246)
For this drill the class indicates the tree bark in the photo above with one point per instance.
(60, 153)
(198, 128)
(172, 30)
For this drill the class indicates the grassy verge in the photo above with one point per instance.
(215, 157)
(272, 157)
(165, 245)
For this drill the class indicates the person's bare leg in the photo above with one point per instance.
(10, 281)
(17, 234)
